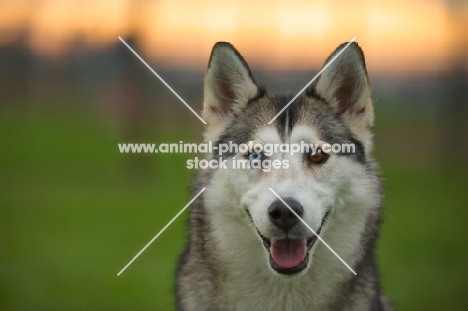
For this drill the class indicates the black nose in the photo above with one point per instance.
(280, 214)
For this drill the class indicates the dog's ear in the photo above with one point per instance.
(229, 86)
(345, 86)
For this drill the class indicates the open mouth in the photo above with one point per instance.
(290, 256)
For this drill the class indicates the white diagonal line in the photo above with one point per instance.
(167, 85)
(312, 230)
(313, 79)
(162, 230)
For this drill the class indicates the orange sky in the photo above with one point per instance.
(395, 35)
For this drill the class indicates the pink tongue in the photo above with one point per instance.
(288, 253)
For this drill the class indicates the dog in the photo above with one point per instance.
(247, 248)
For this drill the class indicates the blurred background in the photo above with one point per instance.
(74, 211)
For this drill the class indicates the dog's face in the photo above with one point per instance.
(318, 185)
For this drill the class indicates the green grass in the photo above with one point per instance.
(423, 251)
(74, 212)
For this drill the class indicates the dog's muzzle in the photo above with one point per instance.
(288, 256)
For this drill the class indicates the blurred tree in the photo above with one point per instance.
(16, 64)
(453, 106)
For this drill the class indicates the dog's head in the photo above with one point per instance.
(324, 188)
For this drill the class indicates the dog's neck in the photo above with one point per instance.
(246, 282)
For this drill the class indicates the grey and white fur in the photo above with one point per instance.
(228, 262)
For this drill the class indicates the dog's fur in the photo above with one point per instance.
(225, 266)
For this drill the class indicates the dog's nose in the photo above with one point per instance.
(280, 214)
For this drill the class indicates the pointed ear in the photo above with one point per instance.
(345, 86)
(229, 86)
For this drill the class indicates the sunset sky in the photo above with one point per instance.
(396, 35)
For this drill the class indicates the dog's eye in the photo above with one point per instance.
(255, 156)
(317, 157)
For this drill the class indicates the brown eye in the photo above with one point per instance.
(318, 157)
